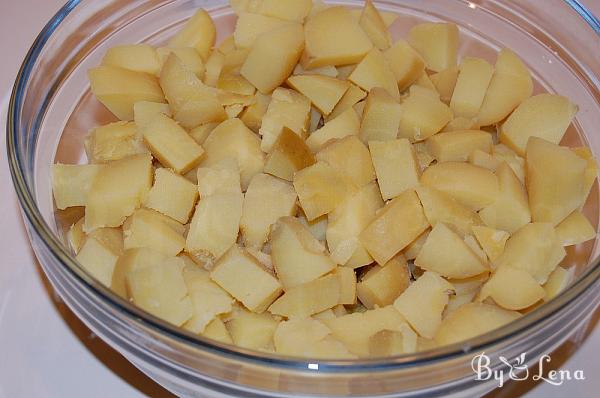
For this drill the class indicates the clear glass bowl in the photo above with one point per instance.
(51, 111)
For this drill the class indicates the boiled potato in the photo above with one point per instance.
(216, 330)
(381, 117)
(324, 92)
(289, 155)
(198, 32)
(591, 170)
(351, 97)
(473, 80)
(422, 117)
(146, 229)
(287, 108)
(114, 141)
(512, 289)
(374, 71)
(411, 251)
(291, 10)
(374, 26)
(250, 330)
(557, 282)
(456, 146)
(213, 68)
(437, 43)
(143, 112)
(191, 59)
(135, 57)
(344, 125)
(252, 116)
(445, 82)
(396, 166)
(71, 184)
(483, 159)
(250, 26)
(347, 283)
(130, 261)
(350, 157)
(309, 298)
(380, 286)
(98, 259)
(406, 65)
(172, 195)
(575, 229)
(491, 240)
(308, 338)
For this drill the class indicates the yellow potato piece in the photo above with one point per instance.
(351, 157)
(289, 155)
(422, 117)
(344, 125)
(575, 229)
(114, 141)
(198, 32)
(324, 92)
(291, 10)
(309, 298)
(252, 331)
(591, 170)
(456, 146)
(512, 289)
(483, 159)
(191, 59)
(172, 195)
(371, 21)
(396, 166)
(146, 229)
(250, 26)
(97, 259)
(350, 98)
(412, 250)
(491, 240)
(214, 67)
(380, 286)
(374, 71)
(347, 280)
(445, 82)
(216, 330)
(381, 117)
(474, 77)
(130, 261)
(558, 280)
(406, 64)
(135, 57)
(437, 43)
(71, 183)
(308, 338)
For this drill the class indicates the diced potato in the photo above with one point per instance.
(323, 91)
(423, 156)
(250, 26)
(287, 108)
(350, 98)
(396, 166)
(309, 298)
(214, 67)
(437, 43)
(235, 84)
(172, 195)
(575, 229)
(472, 243)
(130, 261)
(198, 32)
(232, 139)
(118, 189)
(192, 102)
(321, 188)
(201, 133)
(144, 229)
(374, 26)
(472, 186)
(503, 153)
(431, 292)
(315, 120)
(381, 117)
(297, 256)
(344, 125)
(135, 57)
(510, 211)
(161, 290)
(472, 319)
(273, 57)
(422, 117)
(97, 259)
(346, 223)
(445, 82)
(456, 146)
(412, 250)
(535, 248)
(143, 112)
(76, 236)
(374, 71)
(545, 116)
(216, 330)
(328, 70)
(457, 301)
(289, 155)
(291, 10)
(511, 84)
(492, 240)
(118, 89)
(222, 177)
(473, 80)
(334, 37)
(483, 159)
(317, 227)
(252, 116)
(512, 289)
(192, 60)
(242, 276)
(308, 338)
(591, 171)
(114, 141)
(399, 223)
(351, 157)
(380, 286)
(71, 183)
(208, 299)
(558, 280)
(446, 253)
(555, 181)
(253, 331)
(347, 280)
(425, 81)
(405, 63)
(267, 199)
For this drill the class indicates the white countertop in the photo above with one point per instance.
(45, 351)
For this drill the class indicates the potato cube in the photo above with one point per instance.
(324, 92)
(143, 112)
(422, 117)
(347, 280)
(118, 89)
(423, 156)
(511, 84)
(483, 159)
(171, 144)
(329, 71)
(491, 240)
(273, 57)
(289, 155)
(380, 286)
(344, 125)
(396, 166)
(297, 256)
(446, 253)
(381, 117)
(456, 146)
(216, 330)
(406, 65)
(145, 229)
(252, 116)
(76, 236)
(172, 195)
(135, 57)
(252, 331)
(351, 157)
(291, 10)
(512, 289)
(575, 229)
(503, 153)
(411, 251)
(267, 199)
(374, 26)
(71, 183)
(201, 133)
(118, 189)
(558, 280)
(242, 276)
(431, 292)
(347, 221)
(437, 43)
(231, 139)
(545, 116)
(214, 67)
(192, 60)
(425, 81)
(386, 343)
(510, 210)
(473, 80)
(128, 262)
(317, 227)
(374, 71)
(250, 26)
(161, 290)
(287, 108)
(472, 186)
(97, 259)
(445, 82)
(399, 223)
(114, 141)
(591, 170)
(309, 298)
(321, 188)
(308, 338)
(472, 319)
(334, 37)
(198, 32)
(222, 177)
(350, 98)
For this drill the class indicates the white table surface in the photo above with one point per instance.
(46, 352)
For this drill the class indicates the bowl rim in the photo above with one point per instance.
(36, 221)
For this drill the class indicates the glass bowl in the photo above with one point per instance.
(51, 111)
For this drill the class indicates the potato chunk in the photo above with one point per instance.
(456, 146)
(297, 256)
(380, 286)
(575, 229)
(114, 141)
(474, 78)
(381, 117)
(512, 289)
(222, 177)
(446, 253)
(191, 59)
(344, 125)
(347, 280)
(198, 32)
(289, 155)
(396, 166)
(308, 338)
(555, 181)
(374, 26)
(473, 186)
(143, 112)
(437, 43)
(558, 280)
(267, 199)
(351, 157)
(399, 223)
(491, 240)
(309, 298)
(290, 10)
(216, 330)
(333, 37)
(374, 71)
(242, 276)
(71, 184)
(250, 26)
(422, 117)
(445, 82)
(350, 98)
(405, 63)
(252, 116)
(252, 331)
(135, 57)
(323, 91)
(98, 259)
(161, 290)
(172, 195)
(146, 229)
(591, 170)
(545, 116)
(130, 261)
